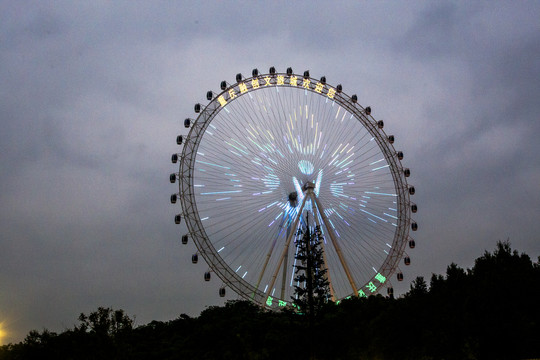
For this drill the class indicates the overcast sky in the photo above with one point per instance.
(93, 94)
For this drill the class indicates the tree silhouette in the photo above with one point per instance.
(418, 287)
(105, 321)
(312, 289)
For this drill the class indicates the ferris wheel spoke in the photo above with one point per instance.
(336, 245)
(262, 140)
(269, 254)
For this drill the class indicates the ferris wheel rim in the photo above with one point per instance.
(189, 154)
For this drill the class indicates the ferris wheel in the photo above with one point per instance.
(274, 153)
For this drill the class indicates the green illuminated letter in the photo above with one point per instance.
(379, 277)
(371, 287)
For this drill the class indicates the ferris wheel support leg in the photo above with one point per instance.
(284, 276)
(285, 248)
(336, 244)
(271, 251)
(285, 261)
(332, 294)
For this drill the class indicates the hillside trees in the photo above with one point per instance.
(489, 311)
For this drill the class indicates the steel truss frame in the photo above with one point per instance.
(187, 161)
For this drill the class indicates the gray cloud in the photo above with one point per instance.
(93, 95)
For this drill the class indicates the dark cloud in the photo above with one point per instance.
(93, 95)
(478, 152)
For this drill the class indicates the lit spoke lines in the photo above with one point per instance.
(259, 154)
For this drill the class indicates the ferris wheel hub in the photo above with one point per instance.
(308, 185)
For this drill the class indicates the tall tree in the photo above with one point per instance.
(312, 289)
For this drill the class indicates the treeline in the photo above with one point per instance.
(491, 311)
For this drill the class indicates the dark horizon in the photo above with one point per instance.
(456, 315)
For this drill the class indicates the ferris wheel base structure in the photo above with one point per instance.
(269, 152)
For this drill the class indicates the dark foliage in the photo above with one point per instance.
(488, 312)
(310, 273)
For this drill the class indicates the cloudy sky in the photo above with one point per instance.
(93, 94)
